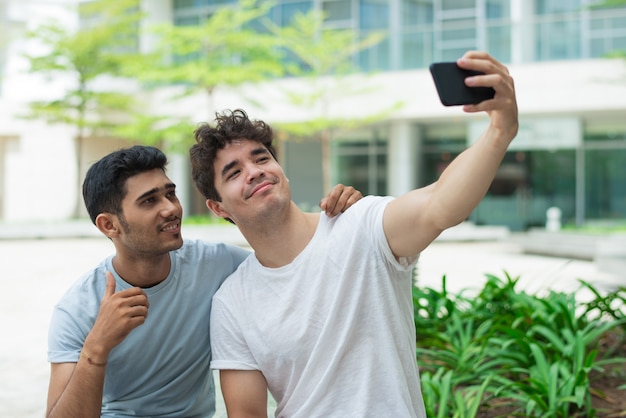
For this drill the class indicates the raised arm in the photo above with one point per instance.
(415, 219)
(245, 393)
(75, 389)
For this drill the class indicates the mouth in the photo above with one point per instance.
(173, 226)
(260, 188)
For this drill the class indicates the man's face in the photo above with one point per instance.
(250, 181)
(151, 215)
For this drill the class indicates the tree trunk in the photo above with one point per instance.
(326, 163)
(78, 145)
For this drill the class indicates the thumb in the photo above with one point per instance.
(323, 203)
(110, 288)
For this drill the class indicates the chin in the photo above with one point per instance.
(176, 245)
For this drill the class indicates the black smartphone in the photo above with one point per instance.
(449, 80)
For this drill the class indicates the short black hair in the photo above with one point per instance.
(104, 187)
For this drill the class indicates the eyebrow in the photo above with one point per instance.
(257, 151)
(168, 186)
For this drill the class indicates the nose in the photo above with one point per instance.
(254, 172)
(169, 208)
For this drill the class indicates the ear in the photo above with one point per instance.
(106, 223)
(217, 208)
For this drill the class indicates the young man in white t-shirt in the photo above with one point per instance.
(322, 315)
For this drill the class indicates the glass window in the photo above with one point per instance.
(543, 7)
(552, 182)
(605, 184)
(187, 20)
(284, 13)
(337, 10)
(607, 32)
(417, 49)
(558, 39)
(457, 4)
(375, 57)
(374, 14)
(499, 42)
(361, 164)
(416, 12)
(497, 9)
(458, 30)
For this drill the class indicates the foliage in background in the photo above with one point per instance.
(323, 57)
(85, 56)
(226, 49)
(505, 348)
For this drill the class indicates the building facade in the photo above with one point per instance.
(570, 152)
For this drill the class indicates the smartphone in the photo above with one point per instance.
(449, 80)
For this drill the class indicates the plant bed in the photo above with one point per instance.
(505, 353)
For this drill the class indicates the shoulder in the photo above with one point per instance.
(205, 249)
(82, 298)
(370, 202)
(369, 207)
(241, 280)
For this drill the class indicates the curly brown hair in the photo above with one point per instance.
(229, 126)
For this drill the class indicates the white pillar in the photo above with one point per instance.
(522, 31)
(403, 149)
(157, 11)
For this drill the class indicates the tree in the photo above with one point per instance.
(323, 59)
(86, 56)
(224, 50)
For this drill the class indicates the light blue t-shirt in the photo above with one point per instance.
(161, 369)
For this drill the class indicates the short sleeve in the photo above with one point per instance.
(228, 346)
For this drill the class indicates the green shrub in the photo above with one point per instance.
(532, 354)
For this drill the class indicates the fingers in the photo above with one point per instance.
(120, 312)
(329, 203)
(129, 297)
(131, 303)
(496, 75)
(340, 199)
(110, 287)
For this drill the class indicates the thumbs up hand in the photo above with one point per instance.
(119, 314)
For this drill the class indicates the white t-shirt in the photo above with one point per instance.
(332, 332)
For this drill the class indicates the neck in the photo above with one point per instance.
(142, 272)
(278, 241)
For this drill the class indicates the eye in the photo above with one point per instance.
(147, 201)
(233, 174)
(172, 195)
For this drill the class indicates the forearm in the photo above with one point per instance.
(465, 182)
(76, 388)
(82, 397)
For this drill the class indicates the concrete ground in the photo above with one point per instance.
(34, 273)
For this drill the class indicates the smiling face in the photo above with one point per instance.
(251, 183)
(150, 222)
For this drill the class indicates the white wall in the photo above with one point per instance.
(38, 160)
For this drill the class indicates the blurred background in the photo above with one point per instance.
(346, 87)
(344, 83)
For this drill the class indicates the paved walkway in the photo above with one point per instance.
(34, 273)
